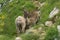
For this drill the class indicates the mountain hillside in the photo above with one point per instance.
(10, 9)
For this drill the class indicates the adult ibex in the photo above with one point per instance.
(32, 17)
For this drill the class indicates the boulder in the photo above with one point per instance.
(48, 23)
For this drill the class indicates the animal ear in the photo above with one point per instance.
(26, 13)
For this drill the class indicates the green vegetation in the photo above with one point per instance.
(52, 33)
(15, 8)
(30, 36)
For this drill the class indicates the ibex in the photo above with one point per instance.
(20, 22)
(32, 17)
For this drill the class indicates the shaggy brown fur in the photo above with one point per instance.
(32, 17)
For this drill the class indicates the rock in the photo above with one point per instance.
(35, 31)
(48, 23)
(0, 6)
(32, 31)
(55, 39)
(53, 12)
(29, 30)
(18, 38)
(58, 27)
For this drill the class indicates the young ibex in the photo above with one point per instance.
(20, 22)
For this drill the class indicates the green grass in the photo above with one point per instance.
(5, 37)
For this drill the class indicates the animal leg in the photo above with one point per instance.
(17, 30)
(23, 27)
